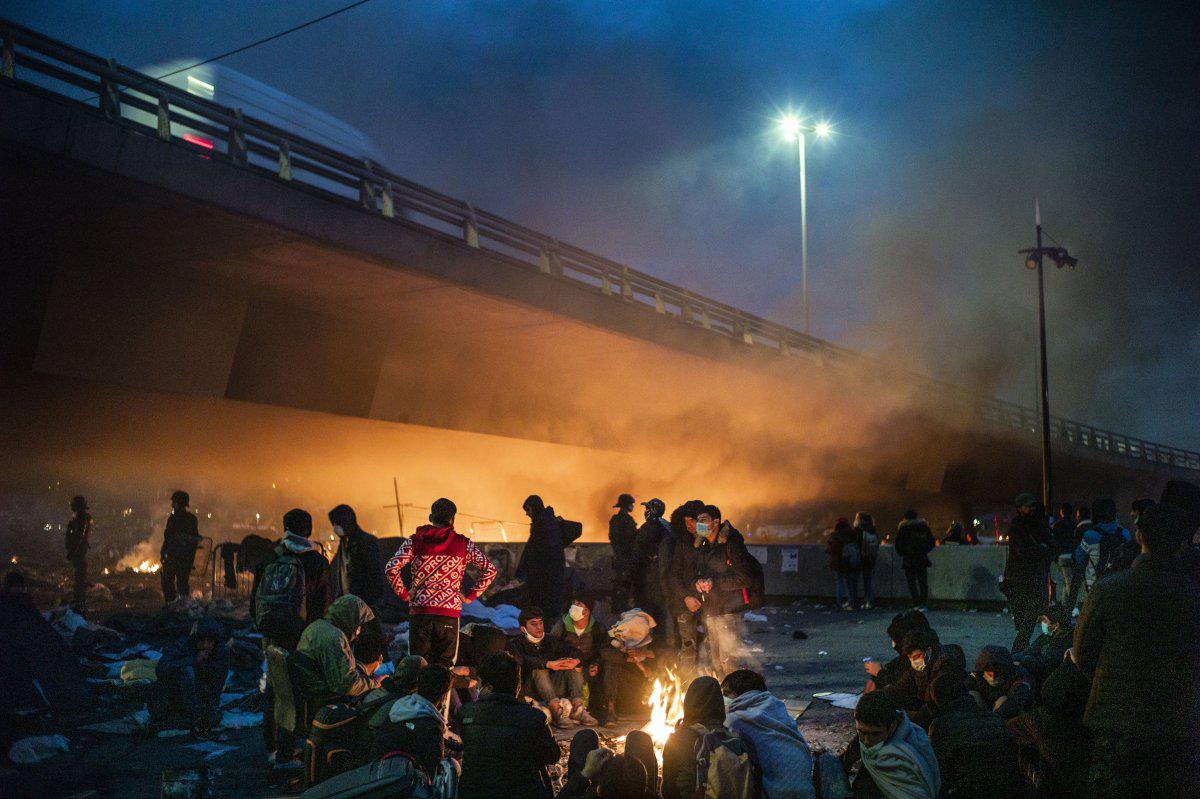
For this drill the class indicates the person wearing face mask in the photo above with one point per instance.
(885, 674)
(677, 560)
(581, 632)
(357, 567)
(898, 761)
(999, 683)
(1051, 641)
(727, 582)
(550, 673)
(927, 659)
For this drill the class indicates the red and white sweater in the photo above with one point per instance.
(439, 556)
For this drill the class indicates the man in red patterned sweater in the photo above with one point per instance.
(439, 556)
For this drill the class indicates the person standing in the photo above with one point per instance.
(677, 559)
(914, 542)
(622, 535)
(1136, 641)
(647, 585)
(543, 565)
(78, 541)
(439, 556)
(1026, 569)
(868, 544)
(727, 583)
(357, 568)
(180, 539)
(845, 561)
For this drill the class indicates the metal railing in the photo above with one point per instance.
(127, 97)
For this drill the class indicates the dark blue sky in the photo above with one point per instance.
(645, 131)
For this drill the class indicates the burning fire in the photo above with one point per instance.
(147, 567)
(666, 708)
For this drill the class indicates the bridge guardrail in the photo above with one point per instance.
(125, 96)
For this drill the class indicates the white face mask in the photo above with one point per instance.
(577, 612)
(1045, 628)
(533, 640)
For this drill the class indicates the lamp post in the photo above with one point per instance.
(1033, 260)
(793, 128)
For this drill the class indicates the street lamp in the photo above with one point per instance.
(793, 128)
(1033, 260)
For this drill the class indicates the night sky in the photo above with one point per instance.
(645, 131)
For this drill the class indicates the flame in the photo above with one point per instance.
(147, 567)
(666, 708)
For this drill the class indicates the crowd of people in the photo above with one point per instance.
(1072, 708)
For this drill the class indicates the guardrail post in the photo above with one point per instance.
(366, 188)
(685, 310)
(704, 320)
(388, 201)
(285, 161)
(626, 286)
(744, 330)
(471, 228)
(659, 306)
(164, 119)
(237, 139)
(110, 98)
(7, 61)
(605, 284)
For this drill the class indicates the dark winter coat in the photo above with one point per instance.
(702, 705)
(316, 579)
(415, 727)
(1028, 550)
(901, 625)
(1053, 734)
(589, 644)
(357, 568)
(912, 690)
(726, 561)
(1014, 692)
(835, 548)
(647, 577)
(1063, 538)
(533, 656)
(79, 536)
(914, 542)
(543, 565)
(976, 752)
(1045, 653)
(209, 673)
(507, 748)
(1136, 639)
(677, 560)
(622, 535)
(181, 537)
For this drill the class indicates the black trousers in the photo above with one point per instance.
(81, 581)
(918, 583)
(1026, 601)
(174, 575)
(434, 638)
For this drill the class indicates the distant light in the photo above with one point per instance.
(200, 88)
(789, 126)
(823, 130)
(199, 141)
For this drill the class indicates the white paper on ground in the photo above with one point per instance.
(752, 616)
(35, 749)
(237, 719)
(211, 748)
(838, 699)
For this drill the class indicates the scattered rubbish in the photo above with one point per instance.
(502, 616)
(818, 607)
(849, 701)
(752, 616)
(140, 671)
(779, 668)
(822, 652)
(799, 635)
(121, 726)
(972, 610)
(858, 622)
(796, 707)
(238, 720)
(211, 749)
(185, 783)
(788, 626)
(37, 748)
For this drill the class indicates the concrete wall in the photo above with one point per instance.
(959, 573)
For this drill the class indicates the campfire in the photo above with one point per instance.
(666, 708)
(147, 567)
(142, 559)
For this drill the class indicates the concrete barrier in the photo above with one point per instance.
(959, 573)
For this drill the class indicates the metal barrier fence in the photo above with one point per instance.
(127, 97)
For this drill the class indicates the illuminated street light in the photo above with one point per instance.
(793, 128)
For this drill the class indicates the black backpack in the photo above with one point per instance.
(280, 606)
(1110, 545)
(753, 593)
(393, 777)
(340, 737)
(570, 530)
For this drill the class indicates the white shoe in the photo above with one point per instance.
(847, 606)
(868, 606)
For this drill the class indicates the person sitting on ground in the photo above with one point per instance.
(370, 647)
(639, 744)
(576, 785)
(1053, 639)
(324, 665)
(549, 669)
(630, 662)
(579, 630)
(1000, 684)
(1051, 739)
(783, 754)
(927, 658)
(507, 743)
(703, 712)
(975, 751)
(883, 675)
(189, 678)
(897, 759)
(623, 777)
(401, 683)
(415, 724)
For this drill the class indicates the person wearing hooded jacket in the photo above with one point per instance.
(761, 718)
(1026, 569)
(647, 580)
(543, 564)
(897, 758)
(928, 658)
(914, 542)
(189, 677)
(883, 675)
(1000, 684)
(415, 724)
(677, 565)
(976, 752)
(439, 556)
(357, 567)
(579, 630)
(703, 705)
(324, 665)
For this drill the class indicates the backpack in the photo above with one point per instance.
(340, 738)
(1110, 545)
(393, 777)
(753, 594)
(570, 530)
(725, 766)
(280, 609)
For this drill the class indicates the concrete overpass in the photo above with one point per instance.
(268, 270)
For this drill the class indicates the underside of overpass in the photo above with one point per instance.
(249, 321)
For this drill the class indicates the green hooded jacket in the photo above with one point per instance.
(329, 666)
